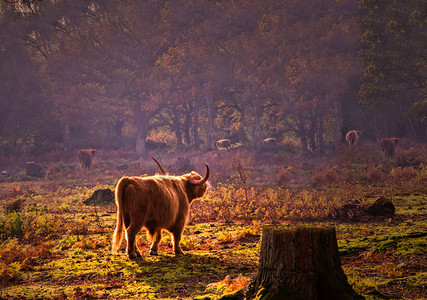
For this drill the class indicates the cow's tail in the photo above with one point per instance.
(118, 233)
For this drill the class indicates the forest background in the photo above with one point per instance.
(181, 74)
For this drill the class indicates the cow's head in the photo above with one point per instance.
(196, 184)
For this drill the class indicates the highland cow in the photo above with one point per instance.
(155, 203)
(269, 142)
(223, 144)
(352, 137)
(85, 157)
(388, 146)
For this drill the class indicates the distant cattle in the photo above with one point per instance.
(223, 144)
(270, 142)
(388, 146)
(85, 157)
(352, 137)
(155, 203)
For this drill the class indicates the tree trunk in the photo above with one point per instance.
(187, 124)
(312, 133)
(196, 142)
(67, 138)
(300, 263)
(118, 127)
(320, 137)
(141, 128)
(177, 127)
(301, 134)
(257, 125)
(209, 133)
(337, 129)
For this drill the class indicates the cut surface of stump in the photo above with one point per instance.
(300, 263)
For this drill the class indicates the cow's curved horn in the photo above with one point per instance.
(160, 166)
(203, 180)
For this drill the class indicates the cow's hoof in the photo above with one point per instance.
(179, 252)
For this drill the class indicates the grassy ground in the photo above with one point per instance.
(54, 246)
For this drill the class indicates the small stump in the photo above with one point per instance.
(300, 263)
(34, 170)
(100, 197)
(382, 207)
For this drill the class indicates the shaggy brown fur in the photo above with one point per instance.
(352, 137)
(225, 144)
(155, 203)
(85, 157)
(388, 145)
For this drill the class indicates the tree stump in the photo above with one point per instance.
(300, 263)
(100, 197)
(34, 170)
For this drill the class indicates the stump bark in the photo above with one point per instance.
(34, 170)
(300, 263)
(101, 197)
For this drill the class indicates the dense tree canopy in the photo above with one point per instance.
(112, 74)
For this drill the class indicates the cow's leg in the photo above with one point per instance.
(131, 248)
(176, 239)
(156, 236)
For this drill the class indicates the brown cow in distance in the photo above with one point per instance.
(223, 144)
(352, 137)
(85, 157)
(155, 203)
(270, 142)
(388, 145)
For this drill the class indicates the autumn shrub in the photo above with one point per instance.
(327, 176)
(284, 174)
(402, 175)
(9, 272)
(85, 242)
(408, 179)
(80, 226)
(270, 205)
(273, 206)
(45, 226)
(389, 270)
(161, 139)
(14, 205)
(11, 225)
(25, 257)
(250, 232)
(375, 175)
(226, 203)
(228, 285)
(30, 226)
(290, 143)
(189, 243)
(415, 154)
(67, 242)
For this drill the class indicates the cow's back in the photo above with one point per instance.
(158, 198)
